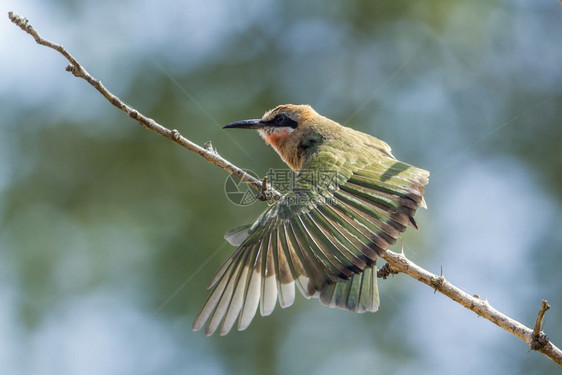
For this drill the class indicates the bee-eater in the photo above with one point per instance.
(351, 201)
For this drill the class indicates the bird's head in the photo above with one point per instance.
(292, 130)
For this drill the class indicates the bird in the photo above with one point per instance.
(350, 202)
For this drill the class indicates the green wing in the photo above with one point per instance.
(324, 237)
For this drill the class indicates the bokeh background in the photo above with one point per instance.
(109, 233)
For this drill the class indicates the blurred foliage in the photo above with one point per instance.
(92, 202)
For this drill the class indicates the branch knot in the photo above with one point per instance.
(539, 342)
(175, 135)
(265, 194)
(209, 147)
(385, 271)
(437, 282)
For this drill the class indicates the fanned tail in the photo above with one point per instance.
(358, 293)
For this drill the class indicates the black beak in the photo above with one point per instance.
(246, 124)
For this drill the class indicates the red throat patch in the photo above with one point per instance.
(275, 138)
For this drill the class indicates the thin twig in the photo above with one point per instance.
(395, 262)
(482, 307)
(539, 339)
(79, 71)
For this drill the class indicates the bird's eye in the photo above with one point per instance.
(279, 119)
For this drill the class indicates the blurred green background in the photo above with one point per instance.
(109, 234)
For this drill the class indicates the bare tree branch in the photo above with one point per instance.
(536, 339)
(399, 262)
(79, 71)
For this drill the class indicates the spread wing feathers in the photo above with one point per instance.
(326, 247)
(237, 236)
